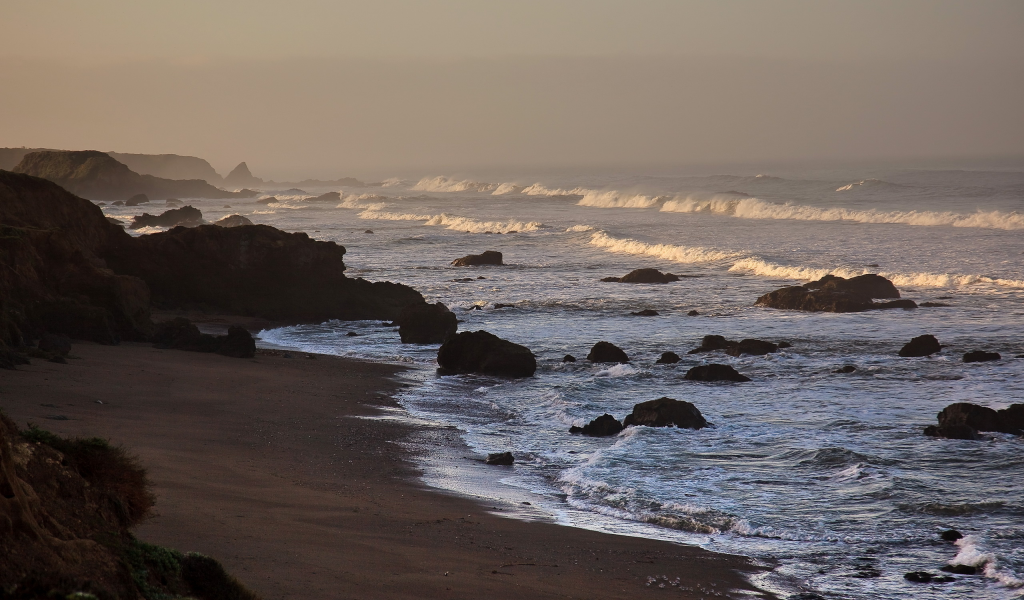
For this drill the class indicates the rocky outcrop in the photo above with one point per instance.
(603, 426)
(607, 352)
(665, 412)
(963, 421)
(186, 216)
(426, 324)
(500, 458)
(97, 176)
(643, 276)
(715, 372)
(568, 358)
(258, 271)
(647, 312)
(241, 177)
(168, 166)
(711, 343)
(836, 294)
(136, 200)
(981, 356)
(922, 345)
(232, 221)
(487, 354)
(490, 257)
(668, 358)
(181, 334)
(328, 197)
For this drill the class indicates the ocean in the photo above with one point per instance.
(825, 476)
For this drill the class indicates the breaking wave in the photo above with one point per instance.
(616, 199)
(867, 184)
(682, 254)
(447, 184)
(753, 208)
(455, 223)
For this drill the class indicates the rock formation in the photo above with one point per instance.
(168, 166)
(97, 176)
(241, 177)
(836, 294)
(328, 197)
(181, 334)
(668, 358)
(232, 221)
(643, 276)
(715, 373)
(922, 345)
(487, 354)
(981, 356)
(603, 426)
(647, 312)
(963, 421)
(607, 352)
(186, 216)
(490, 257)
(136, 200)
(711, 343)
(426, 324)
(665, 412)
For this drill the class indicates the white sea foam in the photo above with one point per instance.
(538, 189)
(392, 182)
(753, 208)
(617, 371)
(507, 188)
(616, 199)
(973, 555)
(579, 228)
(360, 201)
(447, 184)
(455, 222)
(682, 254)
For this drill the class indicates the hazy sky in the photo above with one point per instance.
(331, 88)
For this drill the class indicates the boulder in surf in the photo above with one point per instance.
(426, 324)
(922, 345)
(490, 257)
(485, 353)
(715, 372)
(603, 426)
(666, 412)
(607, 352)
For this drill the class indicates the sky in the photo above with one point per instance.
(323, 89)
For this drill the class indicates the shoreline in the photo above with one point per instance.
(292, 474)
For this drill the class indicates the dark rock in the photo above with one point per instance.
(568, 358)
(753, 347)
(59, 360)
(922, 345)
(238, 343)
(426, 324)
(603, 426)
(951, 535)
(926, 577)
(500, 458)
(267, 200)
(784, 345)
(692, 313)
(980, 418)
(606, 352)
(328, 197)
(352, 334)
(952, 432)
(664, 412)
(981, 356)
(713, 342)
(487, 354)
(368, 231)
(500, 305)
(668, 358)
(57, 344)
(186, 216)
(845, 369)
(644, 276)
(489, 257)
(117, 222)
(933, 305)
(233, 221)
(836, 294)
(647, 312)
(136, 200)
(240, 177)
(715, 373)
(960, 569)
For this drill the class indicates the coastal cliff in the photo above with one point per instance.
(65, 269)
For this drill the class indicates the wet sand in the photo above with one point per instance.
(267, 465)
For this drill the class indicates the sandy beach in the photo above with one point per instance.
(266, 465)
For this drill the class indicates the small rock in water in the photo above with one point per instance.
(933, 305)
(500, 458)
(980, 356)
(950, 535)
(715, 373)
(960, 569)
(368, 231)
(692, 313)
(784, 345)
(668, 358)
(603, 426)
(607, 352)
(845, 369)
(569, 358)
(352, 334)
(926, 577)
(647, 312)
(922, 345)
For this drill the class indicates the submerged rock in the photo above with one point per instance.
(693, 313)
(922, 345)
(136, 200)
(981, 356)
(643, 276)
(186, 216)
(715, 372)
(668, 358)
(490, 257)
(836, 294)
(711, 343)
(603, 426)
(845, 369)
(233, 221)
(950, 535)
(328, 197)
(487, 354)
(426, 324)
(647, 312)
(665, 412)
(607, 352)
(926, 577)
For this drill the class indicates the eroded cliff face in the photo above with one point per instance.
(65, 269)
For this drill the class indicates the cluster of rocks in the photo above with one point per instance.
(643, 276)
(837, 294)
(490, 257)
(712, 343)
(186, 216)
(663, 412)
(964, 421)
(182, 334)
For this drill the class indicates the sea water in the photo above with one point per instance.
(825, 476)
